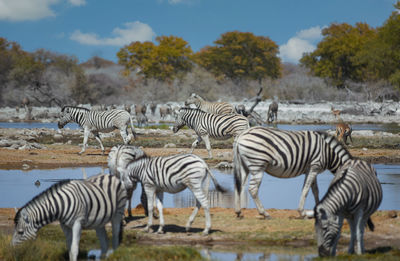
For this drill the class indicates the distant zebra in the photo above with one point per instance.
(210, 107)
(272, 115)
(355, 193)
(120, 156)
(284, 154)
(171, 174)
(97, 121)
(77, 205)
(218, 126)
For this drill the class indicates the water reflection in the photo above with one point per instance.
(18, 187)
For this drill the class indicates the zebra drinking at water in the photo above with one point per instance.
(284, 154)
(355, 193)
(97, 121)
(77, 205)
(210, 107)
(210, 125)
(171, 174)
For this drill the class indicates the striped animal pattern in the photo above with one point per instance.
(355, 193)
(77, 205)
(119, 157)
(272, 115)
(98, 121)
(343, 130)
(284, 154)
(210, 125)
(210, 107)
(171, 174)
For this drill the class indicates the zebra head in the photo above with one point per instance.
(327, 229)
(179, 121)
(193, 99)
(120, 156)
(24, 227)
(65, 117)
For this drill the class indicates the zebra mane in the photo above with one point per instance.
(190, 109)
(37, 197)
(74, 107)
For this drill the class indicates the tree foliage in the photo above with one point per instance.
(241, 56)
(168, 60)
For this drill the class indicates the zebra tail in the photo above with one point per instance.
(216, 184)
(371, 225)
(133, 130)
(236, 170)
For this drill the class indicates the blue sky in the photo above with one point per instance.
(85, 28)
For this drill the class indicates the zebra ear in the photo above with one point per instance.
(321, 213)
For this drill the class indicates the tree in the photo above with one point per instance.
(337, 55)
(241, 56)
(169, 60)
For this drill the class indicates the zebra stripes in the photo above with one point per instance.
(284, 154)
(77, 205)
(97, 121)
(210, 107)
(355, 193)
(171, 174)
(210, 125)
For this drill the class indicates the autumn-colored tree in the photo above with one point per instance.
(337, 55)
(168, 60)
(241, 56)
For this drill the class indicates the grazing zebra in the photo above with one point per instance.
(210, 107)
(120, 156)
(219, 126)
(355, 193)
(272, 114)
(343, 130)
(77, 205)
(171, 174)
(284, 154)
(97, 121)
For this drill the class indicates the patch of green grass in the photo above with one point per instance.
(382, 253)
(161, 253)
(376, 142)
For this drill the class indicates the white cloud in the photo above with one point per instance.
(77, 2)
(303, 41)
(133, 31)
(21, 10)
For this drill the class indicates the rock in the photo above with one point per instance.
(392, 214)
(170, 145)
(224, 165)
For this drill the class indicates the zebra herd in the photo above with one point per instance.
(354, 193)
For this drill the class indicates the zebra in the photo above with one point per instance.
(77, 205)
(120, 156)
(284, 154)
(97, 121)
(272, 114)
(219, 126)
(355, 193)
(210, 107)
(171, 174)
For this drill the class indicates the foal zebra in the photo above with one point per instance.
(171, 174)
(97, 121)
(355, 193)
(77, 205)
(284, 154)
(210, 125)
(210, 107)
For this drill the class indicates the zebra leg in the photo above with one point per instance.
(360, 223)
(309, 180)
(150, 192)
(208, 146)
(160, 197)
(97, 136)
(125, 136)
(116, 223)
(201, 200)
(254, 185)
(241, 178)
(102, 236)
(353, 232)
(76, 237)
(86, 134)
(129, 192)
(195, 143)
(314, 188)
(68, 235)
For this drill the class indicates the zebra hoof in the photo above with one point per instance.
(267, 217)
(205, 232)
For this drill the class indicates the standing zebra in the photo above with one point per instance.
(120, 156)
(77, 205)
(97, 121)
(171, 174)
(284, 154)
(272, 115)
(210, 107)
(219, 126)
(355, 193)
